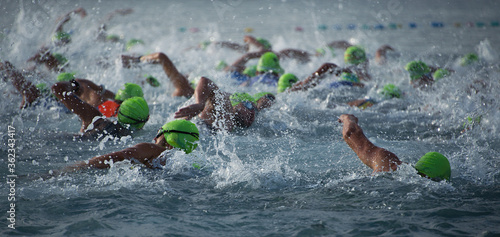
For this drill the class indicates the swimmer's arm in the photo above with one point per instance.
(64, 91)
(301, 55)
(340, 44)
(319, 74)
(253, 41)
(183, 88)
(143, 152)
(239, 64)
(26, 88)
(233, 46)
(377, 158)
(66, 17)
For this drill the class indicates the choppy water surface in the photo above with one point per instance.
(290, 174)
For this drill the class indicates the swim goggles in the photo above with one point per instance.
(162, 131)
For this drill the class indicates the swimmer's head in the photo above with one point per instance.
(264, 99)
(440, 73)
(351, 77)
(391, 91)
(250, 71)
(65, 76)
(240, 97)
(131, 90)
(43, 88)
(417, 69)
(469, 59)
(269, 62)
(285, 81)
(435, 166)
(61, 37)
(133, 42)
(265, 43)
(354, 55)
(60, 58)
(109, 108)
(180, 134)
(113, 38)
(152, 81)
(134, 112)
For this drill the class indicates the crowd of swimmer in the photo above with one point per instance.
(105, 113)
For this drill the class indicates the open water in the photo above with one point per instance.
(289, 174)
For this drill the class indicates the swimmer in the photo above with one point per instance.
(221, 110)
(355, 56)
(132, 113)
(88, 92)
(432, 165)
(180, 82)
(174, 135)
(268, 71)
(422, 75)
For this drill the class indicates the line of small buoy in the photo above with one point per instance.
(390, 26)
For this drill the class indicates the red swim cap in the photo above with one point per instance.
(109, 108)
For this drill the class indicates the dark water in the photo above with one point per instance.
(290, 174)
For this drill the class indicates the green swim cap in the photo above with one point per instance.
(239, 97)
(205, 44)
(435, 166)
(181, 134)
(152, 81)
(62, 37)
(131, 90)
(285, 81)
(259, 95)
(65, 76)
(265, 43)
(221, 65)
(60, 58)
(469, 59)
(250, 71)
(440, 73)
(133, 42)
(346, 76)
(269, 62)
(134, 111)
(114, 38)
(417, 69)
(354, 55)
(43, 88)
(391, 91)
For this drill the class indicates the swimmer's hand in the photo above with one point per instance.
(347, 118)
(189, 111)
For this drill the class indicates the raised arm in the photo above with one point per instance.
(375, 157)
(66, 93)
(212, 105)
(181, 84)
(29, 92)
